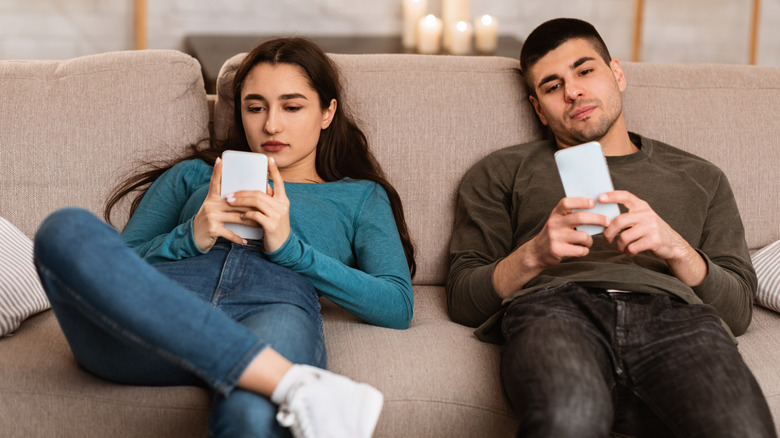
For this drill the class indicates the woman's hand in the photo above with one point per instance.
(209, 222)
(270, 209)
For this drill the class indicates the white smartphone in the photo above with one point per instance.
(243, 171)
(584, 174)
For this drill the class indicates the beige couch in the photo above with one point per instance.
(69, 129)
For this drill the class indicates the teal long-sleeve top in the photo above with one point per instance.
(343, 239)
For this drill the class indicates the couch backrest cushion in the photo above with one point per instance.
(428, 119)
(70, 129)
(727, 114)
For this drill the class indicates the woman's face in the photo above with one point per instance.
(283, 118)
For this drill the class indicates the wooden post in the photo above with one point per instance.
(139, 24)
(754, 31)
(636, 51)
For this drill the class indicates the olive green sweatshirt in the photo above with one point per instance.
(506, 198)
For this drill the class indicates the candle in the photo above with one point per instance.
(460, 41)
(486, 34)
(453, 11)
(414, 10)
(429, 35)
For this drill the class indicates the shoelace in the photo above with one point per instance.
(299, 424)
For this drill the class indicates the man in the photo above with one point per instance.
(626, 331)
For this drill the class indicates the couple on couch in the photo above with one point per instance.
(628, 330)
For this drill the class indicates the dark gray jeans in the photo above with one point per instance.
(585, 362)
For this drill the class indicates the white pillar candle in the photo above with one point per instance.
(460, 41)
(486, 34)
(453, 11)
(429, 35)
(414, 10)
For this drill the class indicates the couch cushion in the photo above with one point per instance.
(428, 119)
(763, 359)
(71, 128)
(21, 293)
(41, 380)
(438, 379)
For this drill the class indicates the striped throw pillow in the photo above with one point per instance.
(767, 264)
(21, 293)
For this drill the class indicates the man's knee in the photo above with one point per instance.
(567, 415)
(559, 390)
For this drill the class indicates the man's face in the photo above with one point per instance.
(578, 95)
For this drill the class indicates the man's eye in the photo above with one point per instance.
(552, 88)
(586, 72)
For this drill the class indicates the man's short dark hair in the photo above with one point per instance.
(551, 34)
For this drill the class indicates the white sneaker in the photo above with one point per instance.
(323, 404)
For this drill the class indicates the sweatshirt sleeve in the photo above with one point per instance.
(730, 285)
(155, 230)
(379, 289)
(481, 237)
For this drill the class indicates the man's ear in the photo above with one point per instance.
(538, 109)
(617, 71)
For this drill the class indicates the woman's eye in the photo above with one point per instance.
(292, 108)
(255, 109)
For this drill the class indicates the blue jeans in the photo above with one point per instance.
(584, 362)
(196, 321)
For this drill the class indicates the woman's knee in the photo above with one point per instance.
(60, 233)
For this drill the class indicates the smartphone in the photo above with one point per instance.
(244, 171)
(584, 174)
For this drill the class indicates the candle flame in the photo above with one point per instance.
(430, 19)
(462, 26)
(487, 20)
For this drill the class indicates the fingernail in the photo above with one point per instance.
(272, 160)
(244, 241)
(230, 198)
(217, 161)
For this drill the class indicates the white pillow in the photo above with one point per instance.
(21, 293)
(767, 264)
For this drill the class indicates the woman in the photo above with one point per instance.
(201, 304)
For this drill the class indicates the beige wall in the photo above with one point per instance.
(674, 31)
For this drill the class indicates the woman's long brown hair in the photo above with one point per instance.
(342, 150)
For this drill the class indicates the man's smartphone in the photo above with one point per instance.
(584, 174)
(243, 171)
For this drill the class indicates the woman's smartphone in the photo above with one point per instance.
(584, 174)
(243, 171)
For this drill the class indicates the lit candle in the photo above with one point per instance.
(453, 11)
(414, 10)
(460, 42)
(486, 34)
(429, 35)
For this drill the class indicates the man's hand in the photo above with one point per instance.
(558, 239)
(641, 229)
